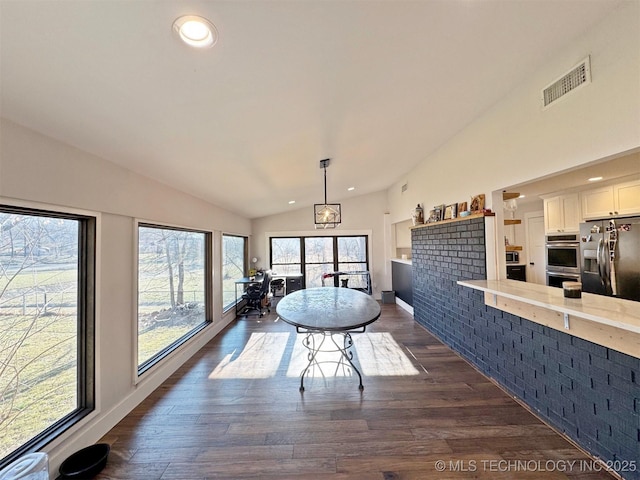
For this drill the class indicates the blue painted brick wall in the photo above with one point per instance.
(589, 392)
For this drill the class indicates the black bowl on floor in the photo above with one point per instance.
(85, 463)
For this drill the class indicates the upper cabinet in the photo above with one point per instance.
(562, 213)
(598, 202)
(626, 197)
(612, 200)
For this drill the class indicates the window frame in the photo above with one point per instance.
(300, 263)
(86, 322)
(155, 360)
(231, 306)
(303, 261)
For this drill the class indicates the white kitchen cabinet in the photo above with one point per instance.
(613, 200)
(597, 202)
(562, 213)
(626, 198)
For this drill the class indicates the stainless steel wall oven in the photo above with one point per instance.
(563, 258)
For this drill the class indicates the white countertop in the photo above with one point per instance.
(623, 314)
(401, 260)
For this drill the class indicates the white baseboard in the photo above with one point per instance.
(404, 305)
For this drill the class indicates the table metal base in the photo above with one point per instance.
(314, 342)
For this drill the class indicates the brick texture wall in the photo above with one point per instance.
(589, 392)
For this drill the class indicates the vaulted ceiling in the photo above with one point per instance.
(374, 85)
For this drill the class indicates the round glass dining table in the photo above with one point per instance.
(325, 313)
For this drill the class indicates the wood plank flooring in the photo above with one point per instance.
(234, 411)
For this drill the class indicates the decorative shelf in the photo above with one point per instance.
(512, 221)
(512, 248)
(457, 219)
(509, 196)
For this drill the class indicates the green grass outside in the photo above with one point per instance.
(40, 386)
(43, 278)
(44, 390)
(152, 341)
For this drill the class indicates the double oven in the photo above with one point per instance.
(563, 258)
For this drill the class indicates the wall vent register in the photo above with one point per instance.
(578, 76)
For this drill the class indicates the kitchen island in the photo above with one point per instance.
(610, 322)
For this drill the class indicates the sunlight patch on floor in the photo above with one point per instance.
(379, 355)
(375, 354)
(260, 358)
(331, 364)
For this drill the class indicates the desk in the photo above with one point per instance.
(245, 282)
(328, 312)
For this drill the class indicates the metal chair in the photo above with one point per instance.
(277, 285)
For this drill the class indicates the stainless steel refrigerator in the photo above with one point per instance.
(610, 257)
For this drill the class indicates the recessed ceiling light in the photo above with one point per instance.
(351, 189)
(196, 31)
(291, 202)
(595, 179)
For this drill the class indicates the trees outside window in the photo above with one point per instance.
(234, 266)
(318, 259)
(174, 297)
(47, 281)
(286, 258)
(352, 257)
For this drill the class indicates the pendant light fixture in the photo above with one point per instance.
(326, 215)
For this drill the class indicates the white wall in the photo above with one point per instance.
(40, 172)
(360, 215)
(517, 141)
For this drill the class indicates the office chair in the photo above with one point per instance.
(256, 294)
(277, 285)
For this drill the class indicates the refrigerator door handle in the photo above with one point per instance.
(599, 259)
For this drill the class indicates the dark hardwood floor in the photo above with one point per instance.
(234, 411)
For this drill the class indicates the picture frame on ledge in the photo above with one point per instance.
(439, 212)
(433, 216)
(477, 203)
(451, 211)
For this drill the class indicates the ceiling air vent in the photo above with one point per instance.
(405, 187)
(576, 77)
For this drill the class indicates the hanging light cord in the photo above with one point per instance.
(325, 184)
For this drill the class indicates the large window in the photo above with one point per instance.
(47, 277)
(352, 257)
(174, 289)
(314, 256)
(318, 259)
(234, 266)
(286, 256)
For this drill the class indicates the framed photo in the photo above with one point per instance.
(439, 212)
(462, 207)
(433, 216)
(477, 203)
(450, 211)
